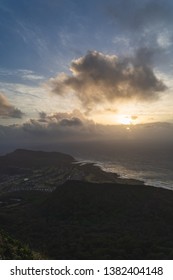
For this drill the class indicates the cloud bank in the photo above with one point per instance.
(83, 138)
(7, 110)
(97, 77)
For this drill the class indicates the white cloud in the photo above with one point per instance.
(24, 74)
(30, 75)
(165, 39)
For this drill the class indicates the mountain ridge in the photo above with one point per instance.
(29, 159)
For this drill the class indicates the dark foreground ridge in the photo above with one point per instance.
(91, 220)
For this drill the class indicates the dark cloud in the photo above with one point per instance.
(7, 110)
(42, 116)
(145, 23)
(97, 78)
(63, 118)
(15, 113)
(138, 15)
(144, 56)
(59, 126)
(71, 122)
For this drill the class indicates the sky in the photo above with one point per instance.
(85, 68)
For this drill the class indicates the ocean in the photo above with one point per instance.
(154, 169)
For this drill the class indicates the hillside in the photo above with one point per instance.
(82, 220)
(11, 248)
(33, 159)
(44, 171)
(66, 210)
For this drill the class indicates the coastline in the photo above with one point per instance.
(124, 179)
(92, 214)
(118, 179)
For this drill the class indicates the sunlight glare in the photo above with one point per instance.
(125, 120)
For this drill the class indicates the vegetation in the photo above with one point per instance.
(70, 211)
(11, 249)
(83, 220)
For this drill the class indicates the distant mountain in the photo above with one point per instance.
(21, 158)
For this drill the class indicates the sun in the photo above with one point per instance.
(125, 120)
